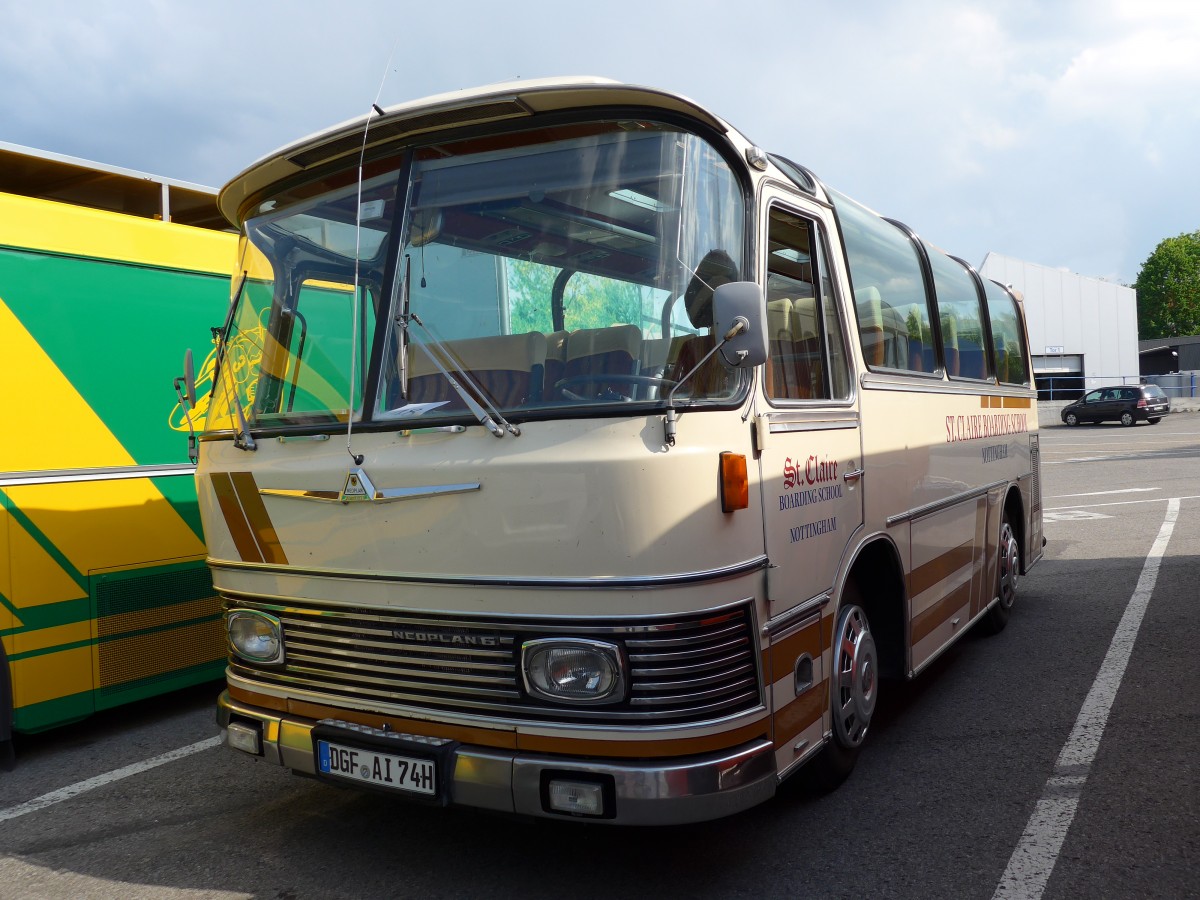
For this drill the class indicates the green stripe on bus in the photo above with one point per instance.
(116, 315)
(45, 543)
(156, 629)
(51, 713)
(115, 695)
(124, 635)
(49, 615)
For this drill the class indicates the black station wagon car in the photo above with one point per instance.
(1126, 404)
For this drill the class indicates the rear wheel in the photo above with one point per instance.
(1071, 419)
(1008, 571)
(1127, 418)
(853, 690)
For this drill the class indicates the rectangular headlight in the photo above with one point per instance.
(255, 636)
(573, 670)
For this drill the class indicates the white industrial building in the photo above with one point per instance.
(1083, 331)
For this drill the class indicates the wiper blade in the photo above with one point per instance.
(244, 440)
(440, 355)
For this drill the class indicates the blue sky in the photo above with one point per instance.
(1062, 133)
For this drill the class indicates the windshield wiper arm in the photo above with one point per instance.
(244, 440)
(440, 355)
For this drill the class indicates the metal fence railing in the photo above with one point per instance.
(1068, 387)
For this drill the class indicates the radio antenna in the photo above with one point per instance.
(376, 110)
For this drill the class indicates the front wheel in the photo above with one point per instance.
(853, 691)
(1127, 418)
(1071, 419)
(1008, 571)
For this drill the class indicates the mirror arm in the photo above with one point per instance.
(740, 324)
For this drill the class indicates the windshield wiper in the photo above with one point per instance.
(487, 417)
(471, 394)
(244, 440)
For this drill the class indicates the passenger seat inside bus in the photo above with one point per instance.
(795, 369)
(509, 369)
(594, 353)
(870, 324)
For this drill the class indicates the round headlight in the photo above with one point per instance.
(572, 670)
(255, 636)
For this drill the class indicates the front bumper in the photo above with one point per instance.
(645, 792)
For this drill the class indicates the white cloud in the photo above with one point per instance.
(985, 125)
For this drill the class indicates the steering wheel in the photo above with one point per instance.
(599, 377)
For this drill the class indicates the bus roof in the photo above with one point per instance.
(496, 102)
(44, 175)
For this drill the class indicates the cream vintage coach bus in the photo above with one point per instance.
(570, 455)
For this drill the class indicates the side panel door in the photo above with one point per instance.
(808, 437)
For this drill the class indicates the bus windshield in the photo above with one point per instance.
(538, 273)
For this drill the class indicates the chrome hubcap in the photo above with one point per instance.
(1010, 566)
(856, 668)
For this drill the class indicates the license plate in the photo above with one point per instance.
(386, 770)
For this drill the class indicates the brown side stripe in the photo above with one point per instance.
(800, 713)
(923, 577)
(928, 621)
(235, 519)
(785, 653)
(1017, 403)
(258, 518)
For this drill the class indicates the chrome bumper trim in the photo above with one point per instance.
(649, 792)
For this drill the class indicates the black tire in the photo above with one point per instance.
(1071, 419)
(853, 692)
(7, 757)
(1008, 573)
(1127, 419)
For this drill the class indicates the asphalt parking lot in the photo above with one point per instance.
(1056, 759)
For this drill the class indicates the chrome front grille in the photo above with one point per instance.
(681, 669)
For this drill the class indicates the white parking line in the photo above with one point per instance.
(82, 787)
(1037, 851)
(1122, 503)
(1105, 493)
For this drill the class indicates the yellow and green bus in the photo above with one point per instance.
(107, 277)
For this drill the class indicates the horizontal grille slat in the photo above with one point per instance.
(493, 660)
(685, 684)
(684, 655)
(641, 644)
(399, 682)
(686, 670)
(500, 676)
(680, 669)
(693, 697)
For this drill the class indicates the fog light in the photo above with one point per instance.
(573, 670)
(255, 636)
(578, 797)
(244, 737)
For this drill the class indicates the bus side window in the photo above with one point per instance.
(964, 347)
(1008, 341)
(807, 360)
(894, 320)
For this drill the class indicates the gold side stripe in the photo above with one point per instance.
(259, 518)
(235, 519)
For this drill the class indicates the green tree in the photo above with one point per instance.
(1168, 289)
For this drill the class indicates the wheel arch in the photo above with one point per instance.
(1014, 505)
(876, 574)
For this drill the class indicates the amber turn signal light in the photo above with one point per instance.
(735, 485)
